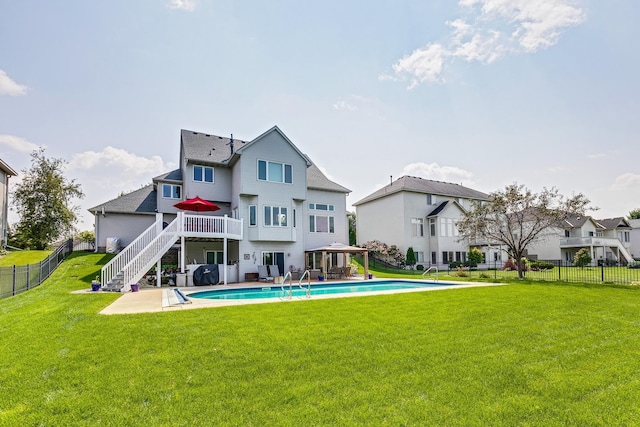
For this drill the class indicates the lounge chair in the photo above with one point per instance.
(274, 271)
(263, 274)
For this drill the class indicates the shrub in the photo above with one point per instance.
(420, 267)
(485, 276)
(454, 264)
(634, 264)
(582, 258)
(462, 272)
(541, 265)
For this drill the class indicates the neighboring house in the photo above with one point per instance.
(606, 239)
(418, 213)
(5, 173)
(635, 238)
(275, 204)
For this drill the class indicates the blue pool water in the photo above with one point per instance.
(316, 289)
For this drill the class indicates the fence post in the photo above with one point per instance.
(602, 272)
(28, 275)
(14, 280)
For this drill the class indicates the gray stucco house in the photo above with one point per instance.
(274, 206)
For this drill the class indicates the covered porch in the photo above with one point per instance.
(340, 248)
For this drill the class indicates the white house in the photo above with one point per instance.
(635, 238)
(418, 213)
(274, 205)
(5, 173)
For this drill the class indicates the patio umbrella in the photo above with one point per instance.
(197, 204)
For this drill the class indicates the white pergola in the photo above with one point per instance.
(341, 248)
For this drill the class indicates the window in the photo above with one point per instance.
(434, 258)
(432, 227)
(170, 191)
(275, 216)
(294, 218)
(417, 227)
(321, 207)
(215, 257)
(253, 215)
(202, 174)
(567, 233)
(431, 199)
(321, 224)
(274, 172)
(448, 227)
(419, 257)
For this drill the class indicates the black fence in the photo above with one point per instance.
(554, 270)
(20, 278)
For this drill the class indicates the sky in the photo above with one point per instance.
(484, 93)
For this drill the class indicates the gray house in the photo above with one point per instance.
(5, 173)
(274, 206)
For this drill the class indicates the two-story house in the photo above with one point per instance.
(635, 238)
(5, 173)
(274, 205)
(418, 213)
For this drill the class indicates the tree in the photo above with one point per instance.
(351, 219)
(634, 214)
(42, 201)
(474, 257)
(87, 237)
(411, 257)
(582, 258)
(516, 217)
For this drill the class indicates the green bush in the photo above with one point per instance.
(541, 265)
(420, 267)
(455, 264)
(634, 264)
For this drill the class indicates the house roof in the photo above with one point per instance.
(206, 148)
(634, 223)
(442, 206)
(7, 169)
(420, 185)
(316, 180)
(174, 175)
(613, 223)
(143, 201)
(577, 221)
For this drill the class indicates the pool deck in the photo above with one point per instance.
(153, 299)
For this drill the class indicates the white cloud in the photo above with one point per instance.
(357, 103)
(18, 144)
(188, 5)
(627, 181)
(10, 87)
(496, 28)
(119, 161)
(436, 172)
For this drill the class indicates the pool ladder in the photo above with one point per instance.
(429, 269)
(288, 295)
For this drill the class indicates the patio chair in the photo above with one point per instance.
(263, 274)
(274, 271)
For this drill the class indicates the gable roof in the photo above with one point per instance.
(174, 175)
(142, 201)
(272, 130)
(7, 169)
(613, 223)
(206, 148)
(426, 186)
(577, 221)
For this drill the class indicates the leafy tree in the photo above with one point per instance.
(634, 214)
(43, 199)
(351, 219)
(474, 257)
(87, 237)
(582, 258)
(396, 256)
(516, 217)
(411, 257)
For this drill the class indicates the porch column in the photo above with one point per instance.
(182, 255)
(323, 263)
(159, 273)
(224, 258)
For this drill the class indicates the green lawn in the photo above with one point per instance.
(23, 258)
(523, 354)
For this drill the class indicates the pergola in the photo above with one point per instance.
(341, 248)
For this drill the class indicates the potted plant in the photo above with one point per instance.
(95, 284)
(321, 276)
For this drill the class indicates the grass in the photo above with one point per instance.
(525, 354)
(23, 258)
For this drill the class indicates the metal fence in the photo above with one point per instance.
(563, 271)
(20, 278)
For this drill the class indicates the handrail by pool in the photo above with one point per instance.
(429, 269)
(308, 274)
(284, 292)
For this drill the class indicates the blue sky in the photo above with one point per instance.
(479, 92)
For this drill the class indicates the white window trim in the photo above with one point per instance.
(173, 186)
(213, 177)
(284, 171)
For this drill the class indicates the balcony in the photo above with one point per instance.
(579, 242)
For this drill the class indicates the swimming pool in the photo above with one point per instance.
(316, 289)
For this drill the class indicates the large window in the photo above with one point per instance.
(170, 191)
(419, 256)
(202, 174)
(417, 227)
(321, 223)
(432, 227)
(215, 257)
(274, 172)
(448, 227)
(275, 216)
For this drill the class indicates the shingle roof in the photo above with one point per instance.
(143, 200)
(613, 223)
(174, 175)
(207, 148)
(420, 185)
(316, 180)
